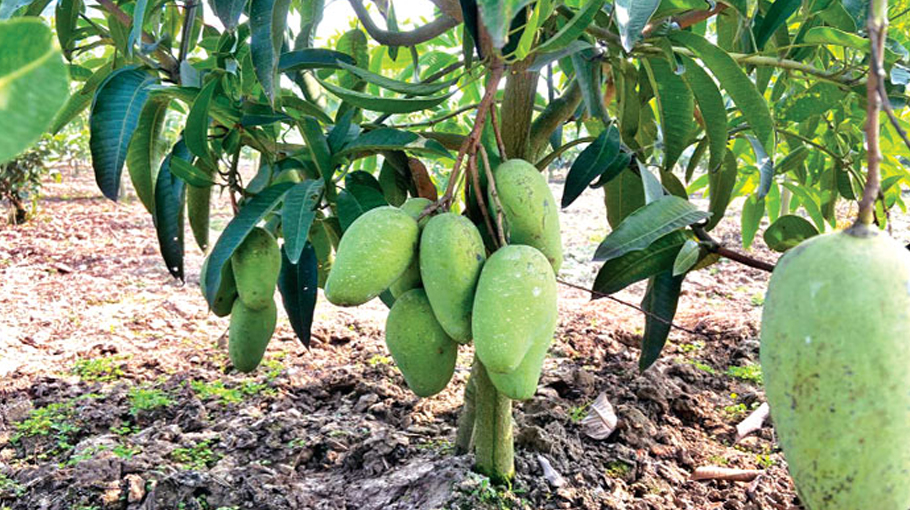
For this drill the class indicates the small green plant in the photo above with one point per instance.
(617, 469)
(704, 367)
(127, 429)
(578, 413)
(98, 369)
(691, 347)
(298, 442)
(217, 390)
(378, 359)
(199, 456)
(718, 460)
(749, 373)
(758, 299)
(125, 451)
(147, 399)
(10, 487)
(273, 367)
(736, 411)
(764, 460)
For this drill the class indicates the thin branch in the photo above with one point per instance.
(494, 194)
(498, 133)
(165, 59)
(684, 20)
(811, 142)
(481, 201)
(189, 19)
(714, 246)
(437, 120)
(546, 160)
(412, 38)
(878, 22)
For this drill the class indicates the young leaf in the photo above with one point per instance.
(384, 104)
(713, 111)
(788, 231)
(631, 17)
(676, 105)
(228, 11)
(647, 224)
(687, 257)
(753, 210)
(298, 284)
(660, 300)
(573, 28)
(297, 215)
(592, 162)
(66, 14)
(623, 195)
(197, 122)
(765, 166)
(588, 73)
(136, 26)
(414, 89)
(777, 15)
(319, 149)
(268, 23)
(497, 16)
(312, 58)
(617, 274)
(170, 197)
(191, 174)
(383, 139)
(142, 156)
(721, 182)
(115, 114)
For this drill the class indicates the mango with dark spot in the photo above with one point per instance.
(249, 334)
(256, 263)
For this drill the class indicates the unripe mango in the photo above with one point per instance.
(249, 334)
(227, 289)
(514, 307)
(415, 206)
(521, 384)
(257, 262)
(531, 215)
(374, 252)
(420, 347)
(451, 257)
(835, 357)
(410, 279)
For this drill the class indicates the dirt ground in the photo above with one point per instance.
(116, 392)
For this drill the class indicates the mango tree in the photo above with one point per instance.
(672, 100)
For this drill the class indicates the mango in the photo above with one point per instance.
(451, 257)
(521, 384)
(409, 280)
(227, 289)
(835, 358)
(415, 206)
(249, 334)
(529, 209)
(514, 307)
(374, 252)
(420, 347)
(256, 263)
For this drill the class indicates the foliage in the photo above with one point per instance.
(98, 369)
(147, 399)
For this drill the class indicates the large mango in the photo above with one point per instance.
(451, 257)
(256, 263)
(227, 289)
(521, 383)
(514, 307)
(421, 349)
(249, 334)
(531, 215)
(835, 358)
(411, 277)
(374, 252)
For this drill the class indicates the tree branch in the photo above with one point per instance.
(554, 115)
(684, 20)
(715, 247)
(165, 59)
(414, 37)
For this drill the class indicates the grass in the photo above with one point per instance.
(578, 413)
(749, 373)
(98, 369)
(10, 487)
(704, 367)
(148, 399)
(199, 456)
(217, 390)
(617, 469)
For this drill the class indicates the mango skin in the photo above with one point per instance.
(410, 279)
(514, 307)
(415, 206)
(374, 252)
(521, 384)
(834, 356)
(227, 290)
(420, 347)
(249, 334)
(451, 258)
(256, 263)
(530, 213)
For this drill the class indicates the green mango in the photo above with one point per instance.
(420, 347)
(514, 307)
(257, 262)
(291, 175)
(249, 334)
(451, 257)
(198, 201)
(374, 252)
(530, 212)
(409, 280)
(227, 289)
(521, 384)
(835, 358)
(414, 206)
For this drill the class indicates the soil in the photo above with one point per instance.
(116, 391)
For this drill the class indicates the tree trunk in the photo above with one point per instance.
(493, 448)
(517, 108)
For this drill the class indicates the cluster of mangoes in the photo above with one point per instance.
(447, 291)
(247, 294)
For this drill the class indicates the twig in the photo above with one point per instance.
(478, 195)
(886, 106)
(166, 60)
(685, 20)
(494, 194)
(412, 38)
(498, 133)
(878, 21)
(436, 120)
(715, 247)
(189, 19)
(752, 422)
(722, 473)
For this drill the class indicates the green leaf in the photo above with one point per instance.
(34, 84)
(497, 15)
(9, 7)
(251, 212)
(777, 15)
(588, 72)
(392, 24)
(660, 300)
(170, 197)
(268, 23)
(542, 59)
(623, 195)
(312, 58)
(354, 43)
(115, 114)
(711, 105)
(414, 89)
(592, 162)
(687, 257)
(617, 274)
(753, 210)
(298, 285)
(529, 32)
(199, 212)
(297, 108)
(384, 139)
(142, 155)
(365, 189)
(788, 231)
(647, 224)
(828, 35)
(319, 149)
(348, 209)
(734, 80)
(676, 105)
(66, 14)
(228, 11)
(631, 17)
(78, 102)
(136, 27)
(765, 166)
(384, 104)
(721, 182)
(297, 216)
(573, 28)
(191, 174)
(197, 122)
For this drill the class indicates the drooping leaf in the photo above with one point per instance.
(66, 14)
(136, 27)
(631, 17)
(589, 74)
(115, 114)
(617, 274)
(753, 210)
(344, 131)
(660, 303)
(365, 189)
(777, 15)
(765, 166)
(319, 149)
(298, 214)
(197, 122)
(298, 108)
(298, 285)
(142, 155)
(497, 16)
(687, 257)
(383, 139)
(676, 105)
(647, 224)
(199, 213)
(654, 190)
(542, 59)
(384, 104)
(268, 23)
(591, 163)
(622, 196)
(414, 89)
(34, 83)
(573, 28)
(354, 43)
(228, 11)
(721, 182)
(191, 174)
(313, 58)
(788, 231)
(170, 197)
(251, 212)
(711, 105)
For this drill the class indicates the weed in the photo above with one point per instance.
(764, 461)
(98, 369)
(704, 367)
(274, 368)
(736, 411)
(198, 456)
(8, 486)
(617, 469)
(126, 452)
(749, 373)
(217, 389)
(443, 446)
(55, 420)
(758, 299)
(379, 359)
(147, 399)
(578, 413)
(127, 429)
(298, 442)
(718, 460)
(691, 347)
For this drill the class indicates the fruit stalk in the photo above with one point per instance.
(877, 24)
(493, 449)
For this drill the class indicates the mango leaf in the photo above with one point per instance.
(349, 209)
(354, 43)
(631, 17)
(622, 196)
(312, 58)
(588, 73)
(619, 273)
(383, 104)
(753, 210)
(497, 16)
(343, 132)
(414, 89)
(660, 300)
(298, 285)
(721, 182)
(251, 212)
(765, 166)
(297, 216)
(711, 105)
(523, 47)
(676, 105)
(592, 162)
(365, 189)
(191, 174)
(788, 231)
(297, 108)
(777, 15)
(394, 139)
(9, 7)
(573, 28)
(648, 224)
(170, 197)
(66, 14)
(542, 59)
(687, 257)
(734, 80)
(34, 84)
(228, 11)
(829, 35)
(319, 149)
(197, 122)
(268, 23)
(141, 158)
(115, 114)
(136, 27)
(654, 189)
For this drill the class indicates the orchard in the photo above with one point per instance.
(421, 172)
